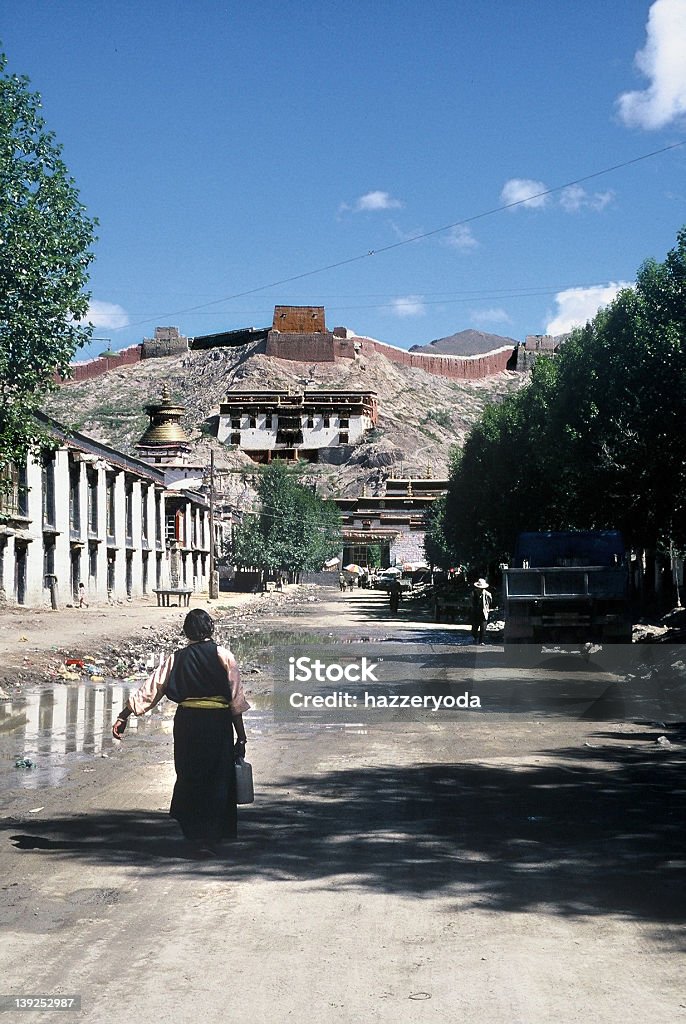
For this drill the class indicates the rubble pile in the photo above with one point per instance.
(671, 628)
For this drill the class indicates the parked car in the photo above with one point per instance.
(384, 578)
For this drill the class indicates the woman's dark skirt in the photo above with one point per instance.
(204, 798)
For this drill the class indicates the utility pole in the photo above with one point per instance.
(675, 560)
(214, 575)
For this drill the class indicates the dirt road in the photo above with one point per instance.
(505, 868)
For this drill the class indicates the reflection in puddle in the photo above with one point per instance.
(56, 726)
(50, 725)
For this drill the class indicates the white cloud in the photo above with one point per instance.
(372, 201)
(409, 305)
(525, 192)
(577, 305)
(490, 316)
(406, 236)
(663, 62)
(575, 198)
(461, 237)
(106, 315)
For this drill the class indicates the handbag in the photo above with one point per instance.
(245, 794)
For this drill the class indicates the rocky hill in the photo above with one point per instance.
(464, 343)
(421, 416)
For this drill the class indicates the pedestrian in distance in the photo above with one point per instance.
(83, 603)
(394, 593)
(481, 607)
(204, 681)
(342, 582)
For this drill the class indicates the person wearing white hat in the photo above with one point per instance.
(481, 607)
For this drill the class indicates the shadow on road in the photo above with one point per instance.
(374, 605)
(596, 831)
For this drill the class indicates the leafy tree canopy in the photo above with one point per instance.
(595, 439)
(436, 547)
(295, 530)
(45, 240)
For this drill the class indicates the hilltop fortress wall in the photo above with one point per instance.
(455, 367)
(96, 367)
(328, 347)
(299, 334)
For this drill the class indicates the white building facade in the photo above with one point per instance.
(282, 424)
(84, 513)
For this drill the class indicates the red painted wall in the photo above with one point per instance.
(325, 348)
(455, 367)
(304, 348)
(96, 367)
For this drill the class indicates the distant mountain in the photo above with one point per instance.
(464, 343)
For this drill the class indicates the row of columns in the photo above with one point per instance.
(89, 522)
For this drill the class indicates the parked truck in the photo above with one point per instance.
(567, 587)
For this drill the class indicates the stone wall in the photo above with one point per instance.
(408, 546)
(327, 347)
(454, 367)
(167, 342)
(304, 348)
(319, 347)
(96, 367)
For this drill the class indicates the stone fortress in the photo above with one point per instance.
(299, 333)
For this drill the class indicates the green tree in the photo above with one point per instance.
(436, 546)
(374, 556)
(295, 530)
(622, 406)
(595, 440)
(45, 240)
(501, 479)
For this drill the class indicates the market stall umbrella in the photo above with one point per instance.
(355, 570)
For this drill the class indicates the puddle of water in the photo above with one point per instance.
(55, 726)
(248, 645)
(59, 726)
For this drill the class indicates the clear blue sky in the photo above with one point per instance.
(226, 146)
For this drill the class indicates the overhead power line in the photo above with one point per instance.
(449, 299)
(414, 238)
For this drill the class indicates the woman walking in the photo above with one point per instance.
(203, 679)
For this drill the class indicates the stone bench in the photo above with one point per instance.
(165, 594)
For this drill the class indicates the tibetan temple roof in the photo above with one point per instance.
(165, 423)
